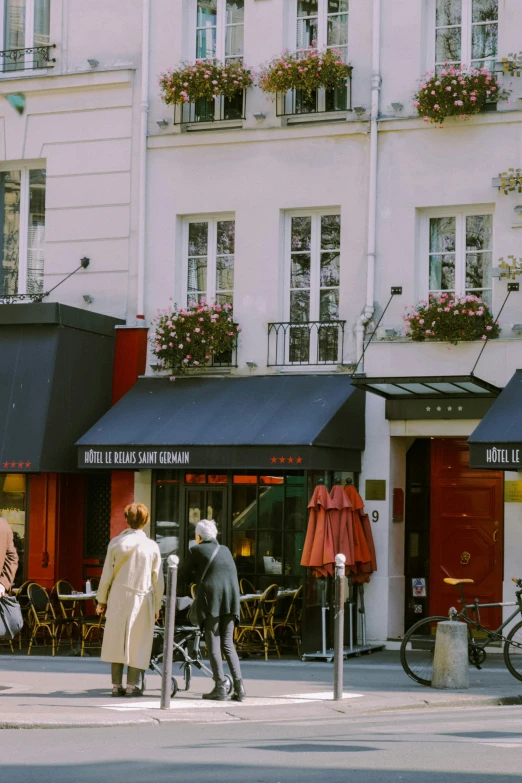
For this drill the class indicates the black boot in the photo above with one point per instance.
(239, 691)
(219, 692)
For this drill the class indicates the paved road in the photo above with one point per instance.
(471, 745)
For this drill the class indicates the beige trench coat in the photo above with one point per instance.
(133, 597)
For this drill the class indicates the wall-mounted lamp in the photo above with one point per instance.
(359, 110)
(259, 116)
(88, 299)
(162, 124)
(516, 329)
(396, 106)
(93, 62)
(518, 209)
(14, 482)
(251, 365)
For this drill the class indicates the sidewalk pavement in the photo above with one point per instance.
(61, 692)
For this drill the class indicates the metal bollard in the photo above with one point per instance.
(340, 560)
(168, 639)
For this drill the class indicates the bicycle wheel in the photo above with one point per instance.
(513, 651)
(417, 649)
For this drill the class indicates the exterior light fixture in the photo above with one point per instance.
(251, 365)
(162, 124)
(396, 106)
(516, 329)
(518, 209)
(359, 110)
(93, 62)
(88, 299)
(259, 116)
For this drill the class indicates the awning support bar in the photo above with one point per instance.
(396, 290)
(512, 287)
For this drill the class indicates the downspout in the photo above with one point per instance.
(369, 308)
(142, 198)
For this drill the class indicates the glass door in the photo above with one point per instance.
(205, 503)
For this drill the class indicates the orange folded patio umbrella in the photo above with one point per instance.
(318, 550)
(364, 547)
(341, 525)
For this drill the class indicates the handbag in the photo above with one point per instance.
(11, 620)
(193, 612)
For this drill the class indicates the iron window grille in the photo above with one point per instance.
(207, 110)
(27, 59)
(292, 343)
(297, 102)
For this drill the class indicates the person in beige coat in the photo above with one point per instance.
(130, 594)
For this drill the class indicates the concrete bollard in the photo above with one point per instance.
(450, 664)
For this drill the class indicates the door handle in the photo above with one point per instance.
(495, 536)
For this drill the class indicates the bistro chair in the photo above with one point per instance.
(245, 607)
(43, 618)
(25, 606)
(91, 632)
(288, 628)
(67, 609)
(256, 633)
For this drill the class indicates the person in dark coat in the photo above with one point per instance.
(217, 606)
(8, 557)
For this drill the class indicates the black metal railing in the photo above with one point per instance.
(321, 101)
(28, 59)
(211, 109)
(305, 342)
(225, 359)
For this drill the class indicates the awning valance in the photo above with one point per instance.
(56, 379)
(310, 421)
(497, 441)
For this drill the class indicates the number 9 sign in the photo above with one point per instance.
(375, 516)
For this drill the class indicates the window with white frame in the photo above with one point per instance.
(322, 24)
(209, 267)
(219, 29)
(22, 241)
(25, 26)
(459, 249)
(313, 242)
(466, 32)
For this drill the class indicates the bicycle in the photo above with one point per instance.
(418, 645)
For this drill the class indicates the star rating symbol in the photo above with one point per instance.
(282, 459)
(290, 459)
(20, 464)
(273, 460)
(27, 464)
(439, 408)
(13, 464)
(450, 408)
(428, 408)
(460, 407)
(299, 460)
(6, 464)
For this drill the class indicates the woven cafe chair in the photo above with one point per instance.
(66, 608)
(91, 633)
(288, 629)
(256, 633)
(246, 588)
(23, 601)
(43, 618)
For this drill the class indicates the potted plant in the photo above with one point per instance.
(307, 71)
(454, 91)
(204, 79)
(189, 337)
(452, 319)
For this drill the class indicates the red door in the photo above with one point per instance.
(466, 527)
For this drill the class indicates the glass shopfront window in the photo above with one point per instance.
(12, 509)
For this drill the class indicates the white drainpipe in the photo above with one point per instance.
(369, 308)
(142, 199)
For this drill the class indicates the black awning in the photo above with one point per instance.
(497, 441)
(301, 421)
(428, 387)
(56, 379)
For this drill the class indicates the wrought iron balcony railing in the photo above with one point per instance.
(211, 110)
(321, 101)
(28, 59)
(305, 342)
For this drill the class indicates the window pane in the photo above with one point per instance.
(337, 30)
(442, 235)
(198, 239)
(14, 24)
(167, 518)
(270, 552)
(234, 41)
(225, 237)
(197, 275)
(447, 45)
(225, 273)
(330, 269)
(329, 305)
(244, 511)
(485, 10)
(485, 295)
(301, 233)
(206, 44)
(300, 270)
(484, 41)
(207, 13)
(299, 305)
(306, 33)
(307, 7)
(479, 230)
(294, 543)
(442, 272)
(337, 6)
(41, 22)
(299, 349)
(36, 233)
(271, 501)
(328, 347)
(478, 270)
(330, 232)
(10, 200)
(448, 12)
(235, 11)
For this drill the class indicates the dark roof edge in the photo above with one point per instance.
(59, 314)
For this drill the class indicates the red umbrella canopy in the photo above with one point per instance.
(364, 548)
(318, 550)
(341, 524)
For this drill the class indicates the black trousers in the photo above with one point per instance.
(219, 636)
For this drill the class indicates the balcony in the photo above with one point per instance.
(295, 103)
(205, 110)
(292, 344)
(30, 59)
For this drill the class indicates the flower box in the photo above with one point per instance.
(452, 319)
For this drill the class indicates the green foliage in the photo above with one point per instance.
(451, 319)
(204, 79)
(304, 71)
(456, 92)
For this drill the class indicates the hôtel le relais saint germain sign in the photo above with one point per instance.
(146, 458)
(501, 457)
